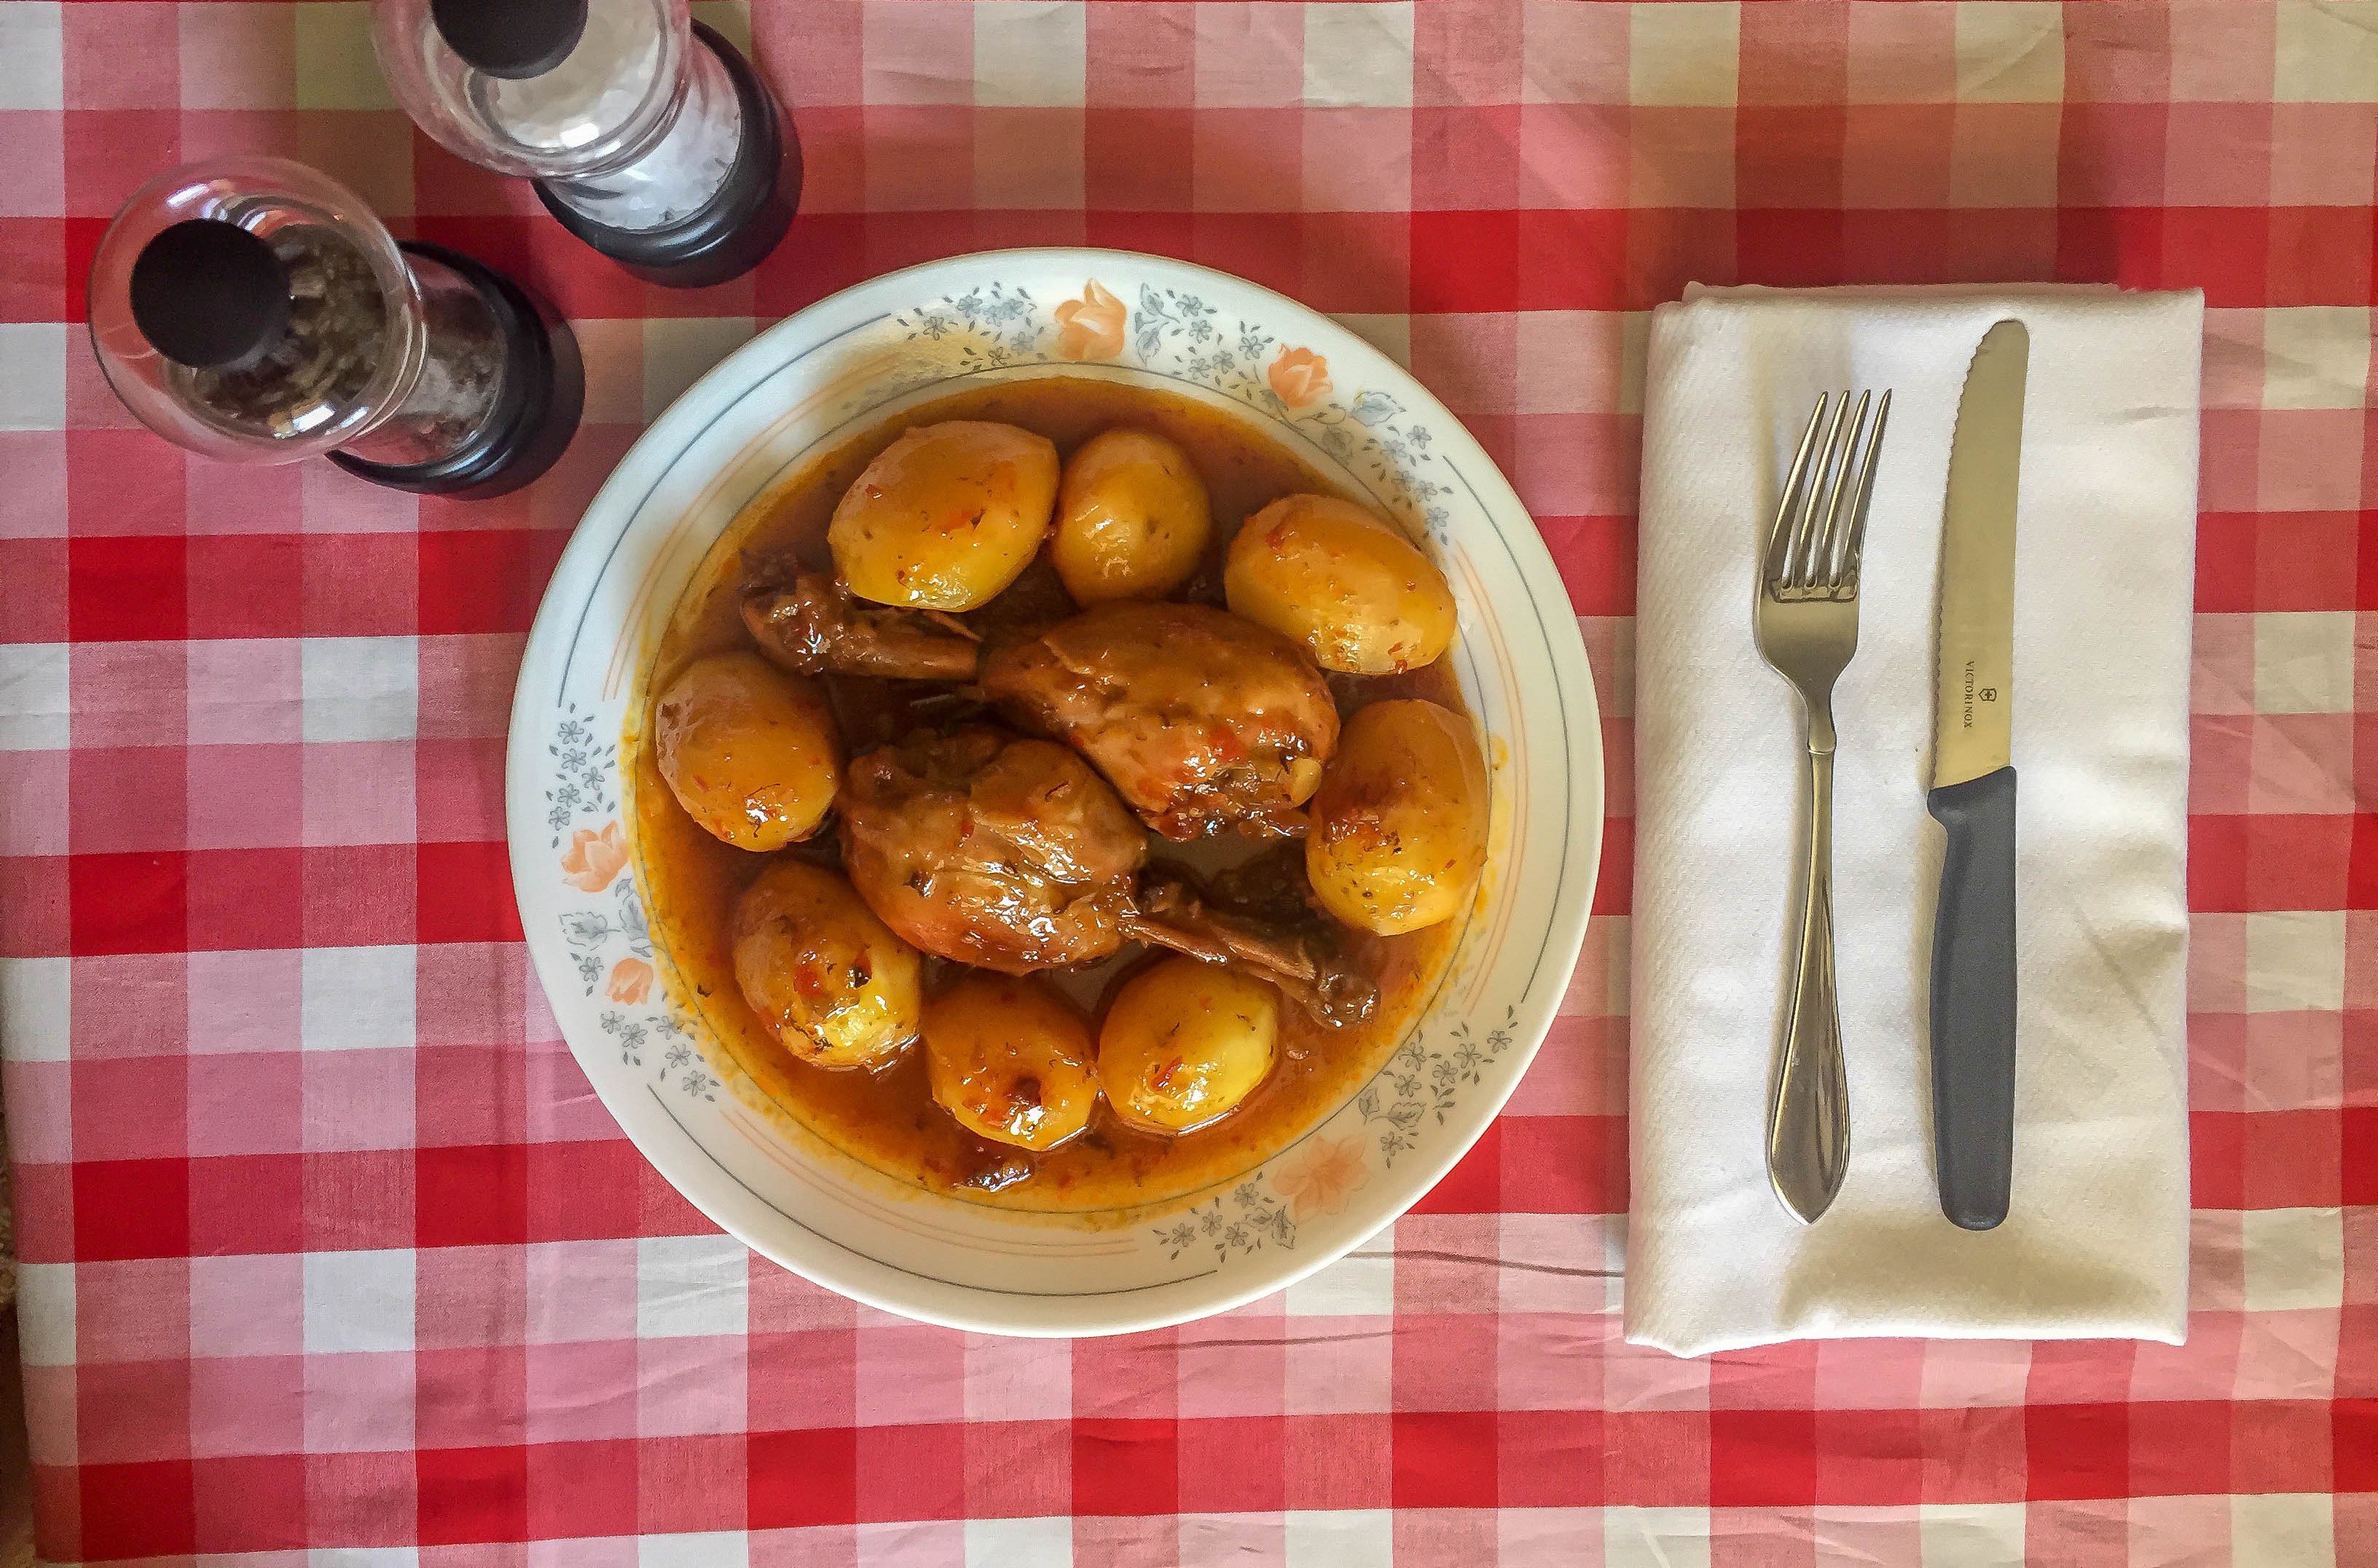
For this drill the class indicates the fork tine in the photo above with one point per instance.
(1799, 565)
(1825, 558)
(1779, 535)
(1853, 551)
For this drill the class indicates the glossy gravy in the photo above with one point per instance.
(887, 1119)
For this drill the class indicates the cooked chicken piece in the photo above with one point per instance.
(1013, 855)
(988, 850)
(810, 623)
(1204, 721)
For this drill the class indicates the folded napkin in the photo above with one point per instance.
(2097, 1244)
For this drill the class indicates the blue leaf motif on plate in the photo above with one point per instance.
(585, 928)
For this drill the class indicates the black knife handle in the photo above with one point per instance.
(1973, 1000)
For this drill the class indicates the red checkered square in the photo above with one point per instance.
(472, 1494)
(803, 1478)
(250, 1504)
(137, 1510)
(911, 1470)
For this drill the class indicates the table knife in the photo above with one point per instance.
(1973, 791)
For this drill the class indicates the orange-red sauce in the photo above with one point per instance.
(887, 1119)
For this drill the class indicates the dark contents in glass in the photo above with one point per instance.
(462, 373)
(323, 362)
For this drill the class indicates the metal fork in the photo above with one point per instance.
(1807, 625)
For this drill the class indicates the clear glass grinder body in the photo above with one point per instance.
(648, 136)
(256, 311)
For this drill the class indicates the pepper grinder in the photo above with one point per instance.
(647, 135)
(255, 310)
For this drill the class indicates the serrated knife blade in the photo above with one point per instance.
(1973, 701)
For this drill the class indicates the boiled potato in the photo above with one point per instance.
(1186, 1043)
(1132, 518)
(751, 752)
(946, 516)
(1342, 581)
(1010, 1058)
(1400, 821)
(836, 986)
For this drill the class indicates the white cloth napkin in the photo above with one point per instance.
(2097, 1244)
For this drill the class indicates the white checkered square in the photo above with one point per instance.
(2316, 357)
(32, 57)
(691, 1284)
(360, 688)
(36, 1010)
(356, 998)
(1655, 1537)
(1359, 55)
(336, 69)
(33, 705)
(2295, 1259)
(358, 1300)
(2327, 51)
(1685, 51)
(2010, 51)
(704, 1548)
(2283, 1530)
(1955, 1534)
(1001, 1543)
(2295, 960)
(1315, 1538)
(45, 1314)
(1030, 53)
(32, 366)
(2304, 661)
(1358, 1284)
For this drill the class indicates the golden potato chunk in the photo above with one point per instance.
(836, 986)
(1342, 581)
(1400, 821)
(946, 516)
(1132, 518)
(1011, 1059)
(1185, 1043)
(750, 752)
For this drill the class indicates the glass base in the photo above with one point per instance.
(738, 226)
(535, 413)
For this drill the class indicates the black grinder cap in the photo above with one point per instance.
(208, 295)
(512, 39)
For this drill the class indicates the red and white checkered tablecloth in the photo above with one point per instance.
(330, 1249)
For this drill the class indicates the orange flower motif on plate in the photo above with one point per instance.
(1300, 377)
(593, 860)
(631, 980)
(1092, 326)
(1324, 1177)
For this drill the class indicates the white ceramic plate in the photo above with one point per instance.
(839, 368)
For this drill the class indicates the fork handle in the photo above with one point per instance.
(1973, 1000)
(1808, 1109)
